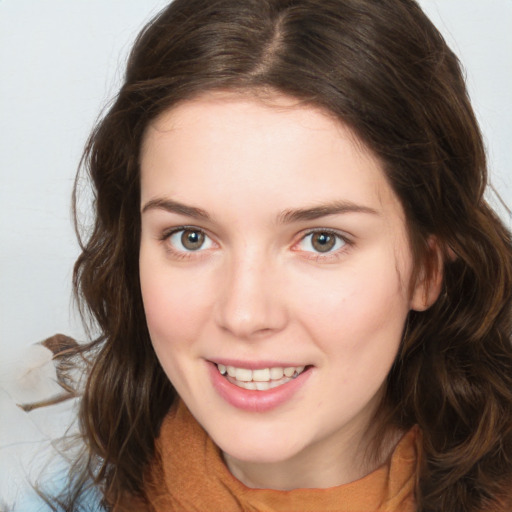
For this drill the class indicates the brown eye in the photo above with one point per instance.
(189, 240)
(323, 242)
(192, 240)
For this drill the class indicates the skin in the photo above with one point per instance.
(258, 290)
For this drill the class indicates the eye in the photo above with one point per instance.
(321, 242)
(190, 240)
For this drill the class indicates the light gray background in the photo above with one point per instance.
(60, 62)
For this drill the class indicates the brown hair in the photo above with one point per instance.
(383, 69)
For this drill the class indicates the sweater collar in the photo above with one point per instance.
(188, 473)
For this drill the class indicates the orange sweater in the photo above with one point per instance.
(189, 475)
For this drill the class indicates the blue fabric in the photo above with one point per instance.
(52, 484)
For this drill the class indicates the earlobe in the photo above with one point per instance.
(429, 281)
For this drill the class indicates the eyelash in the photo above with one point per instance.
(311, 255)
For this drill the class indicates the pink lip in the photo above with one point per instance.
(255, 401)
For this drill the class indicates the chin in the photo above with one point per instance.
(262, 446)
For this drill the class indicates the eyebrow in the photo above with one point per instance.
(175, 207)
(285, 217)
(323, 210)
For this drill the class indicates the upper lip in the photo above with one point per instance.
(255, 365)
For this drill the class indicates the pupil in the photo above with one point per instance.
(192, 240)
(323, 242)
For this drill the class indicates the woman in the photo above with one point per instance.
(304, 299)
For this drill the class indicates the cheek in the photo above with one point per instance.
(361, 310)
(358, 327)
(175, 306)
(171, 320)
(176, 314)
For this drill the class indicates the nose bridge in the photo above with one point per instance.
(248, 304)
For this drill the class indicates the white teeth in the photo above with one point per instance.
(243, 374)
(259, 386)
(261, 375)
(289, 371)
(261, 379)
(276, 373)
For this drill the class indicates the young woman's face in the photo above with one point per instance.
(275, 272)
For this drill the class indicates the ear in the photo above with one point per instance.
(429, 280)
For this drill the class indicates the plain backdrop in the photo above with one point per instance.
(60, 63)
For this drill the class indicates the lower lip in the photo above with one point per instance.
(255, 401)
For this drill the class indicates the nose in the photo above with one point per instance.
(250, 304)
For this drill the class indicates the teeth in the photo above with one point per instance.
(261, 379)
(289, 371)
(261, 375)
(276, 373)
(243, 374)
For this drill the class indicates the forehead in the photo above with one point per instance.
(259, 108)
(276, 146)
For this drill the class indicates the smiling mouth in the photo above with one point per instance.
(262, 379)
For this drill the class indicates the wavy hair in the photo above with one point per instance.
(384, 70)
